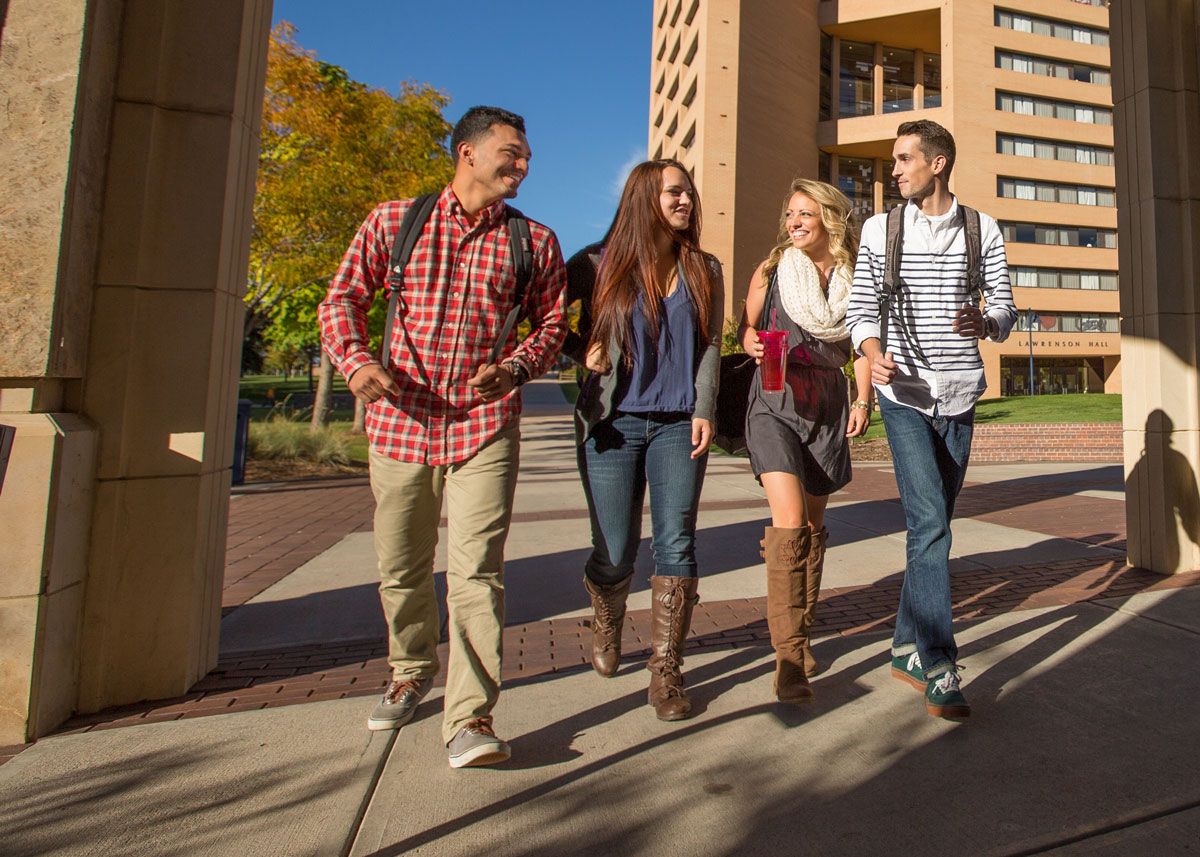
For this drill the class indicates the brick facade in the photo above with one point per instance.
(1047, 442)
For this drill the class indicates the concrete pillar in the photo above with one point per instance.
(133, 178)
(1156, 91)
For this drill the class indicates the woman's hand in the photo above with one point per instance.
(703, 432)
(751, 344)
(597, 360)
(860, 418)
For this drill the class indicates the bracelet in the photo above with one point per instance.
(517, 370)
(862, 405)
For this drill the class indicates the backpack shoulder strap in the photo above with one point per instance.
(403, 243)
(894, 251)
(520, 241)
(407, 236)
(520, 246)
(975, 281)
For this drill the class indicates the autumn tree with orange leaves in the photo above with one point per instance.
(331, 150)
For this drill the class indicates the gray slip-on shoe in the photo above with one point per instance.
(398, 705)
(476, 744)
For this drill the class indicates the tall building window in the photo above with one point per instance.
(856, 89)
(1053, 150)
(824, 167)
(1023, 23)
(1047, 67)
(899, 79)
(856, 179)
(825, 99)
(1029, 105)
(1061, 236)
(1029, 277)
(933, 80)
(891, 190)
(1015, 188)
(1049, 321)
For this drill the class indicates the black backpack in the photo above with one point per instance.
(891, 276)
(520, 245)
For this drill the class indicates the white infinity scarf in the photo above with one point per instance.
(824, 316)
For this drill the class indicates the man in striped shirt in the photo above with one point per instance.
(443, 420)
(928, 382)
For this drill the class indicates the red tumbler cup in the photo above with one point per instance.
(774, 359)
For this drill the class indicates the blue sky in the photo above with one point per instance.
(579, 72)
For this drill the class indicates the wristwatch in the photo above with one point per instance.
(991, 327)
(518, 371)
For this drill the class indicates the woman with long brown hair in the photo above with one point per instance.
(797, 436)
(644, 418)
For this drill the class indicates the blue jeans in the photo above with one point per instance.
(621, 457)
(929, 455)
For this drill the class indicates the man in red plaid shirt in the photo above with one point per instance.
(443, 421)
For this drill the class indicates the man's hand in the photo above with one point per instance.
(883, 368)
(492, 381)
(703, 432)
(968, 322)
(371, 382)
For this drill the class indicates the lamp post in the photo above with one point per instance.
(1029, 324)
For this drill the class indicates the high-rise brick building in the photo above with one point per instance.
(749, 94)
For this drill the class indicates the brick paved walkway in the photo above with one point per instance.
(273, 678)
(273, 532)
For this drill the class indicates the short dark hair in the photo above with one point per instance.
(935, 140)
(476, 123)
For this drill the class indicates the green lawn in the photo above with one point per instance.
(259, 388)
(1065, 408)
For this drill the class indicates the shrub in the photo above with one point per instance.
(281, 437)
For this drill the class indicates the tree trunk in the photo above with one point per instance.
(321, 401)
(360, 417)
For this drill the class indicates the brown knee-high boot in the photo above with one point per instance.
(673, 599)
(816, 566)
(608, 617)
(786, 551)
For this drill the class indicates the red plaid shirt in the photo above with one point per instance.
(458, 288)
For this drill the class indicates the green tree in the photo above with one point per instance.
(331, 150)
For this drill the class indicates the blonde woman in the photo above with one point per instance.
(797, 437)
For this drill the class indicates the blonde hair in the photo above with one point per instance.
(837, 215)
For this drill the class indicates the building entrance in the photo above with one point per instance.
(1052, 375)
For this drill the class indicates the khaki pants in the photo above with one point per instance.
(408, 503)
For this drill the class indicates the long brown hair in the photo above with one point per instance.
(627, 268)
(837, 215)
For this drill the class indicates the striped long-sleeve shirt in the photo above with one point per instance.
(933, 273)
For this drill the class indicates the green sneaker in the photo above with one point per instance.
(908, 669)
(943, 697)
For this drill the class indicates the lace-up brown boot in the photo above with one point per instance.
(608, 617)
(812, 585)
(673, 599)
(786, 552)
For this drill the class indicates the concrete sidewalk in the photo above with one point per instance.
(1080, 671)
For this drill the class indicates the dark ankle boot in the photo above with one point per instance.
(786, 553)
(673, 599)
(608, 618)
(812, 587)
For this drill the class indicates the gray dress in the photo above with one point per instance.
(802, 428)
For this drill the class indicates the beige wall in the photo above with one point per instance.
(1157, 88)
(138, 124)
